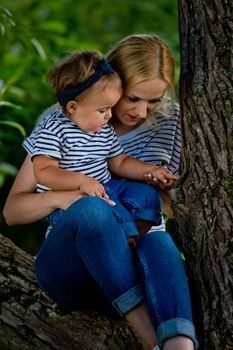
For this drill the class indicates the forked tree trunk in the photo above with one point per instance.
(203, 201)
(31, 321)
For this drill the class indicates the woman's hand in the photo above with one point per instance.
(64, 199)
(161, 178)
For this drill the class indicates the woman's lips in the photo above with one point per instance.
(132, 117)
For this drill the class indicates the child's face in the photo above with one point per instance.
(95, 110)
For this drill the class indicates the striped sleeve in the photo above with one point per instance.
(47, 143)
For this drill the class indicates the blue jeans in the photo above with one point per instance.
(135, 201)
(86, 263)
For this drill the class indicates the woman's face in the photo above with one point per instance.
(138, 101)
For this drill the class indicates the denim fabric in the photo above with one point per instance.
(86, 263)
(126, 302)
(141, 200)
(84, 247)
(166, 286)
(176, 326)
(134, 201)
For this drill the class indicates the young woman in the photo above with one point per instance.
(78, 256)
(75, 147)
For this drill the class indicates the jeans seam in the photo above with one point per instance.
(151, 289)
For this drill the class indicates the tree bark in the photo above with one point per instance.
(204, 197)
(29, 320)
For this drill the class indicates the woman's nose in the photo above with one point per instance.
(142, 109)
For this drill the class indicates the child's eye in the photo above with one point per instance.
(104, 110)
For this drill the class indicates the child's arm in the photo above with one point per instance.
(135, 169)
(50, 175)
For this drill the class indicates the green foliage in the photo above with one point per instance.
(6, 169)
(13, 124)
(35, 34)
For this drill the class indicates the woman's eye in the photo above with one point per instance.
(133, 99)
(136, 99)
(155, 101)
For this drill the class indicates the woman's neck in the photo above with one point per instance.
(120, 128)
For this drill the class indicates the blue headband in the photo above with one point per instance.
(101, 69)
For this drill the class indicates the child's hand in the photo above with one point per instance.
(161, 177)
(92, 187)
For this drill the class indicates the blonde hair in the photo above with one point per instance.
(141, 57)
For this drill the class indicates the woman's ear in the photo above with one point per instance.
(71, 106)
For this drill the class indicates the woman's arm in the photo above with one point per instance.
(24, 205)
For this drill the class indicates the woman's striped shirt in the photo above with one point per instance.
(156, 141)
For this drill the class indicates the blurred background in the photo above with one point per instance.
(33, 36)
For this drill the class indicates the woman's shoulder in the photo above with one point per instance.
(175, 110)
(171, 114)
(171, 108)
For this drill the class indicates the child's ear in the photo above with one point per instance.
(71, 106)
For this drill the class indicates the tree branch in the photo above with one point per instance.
(30, 320)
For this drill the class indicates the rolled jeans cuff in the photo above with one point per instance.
(127, 301)
(151, 215)
(176, 327)
(130, 229)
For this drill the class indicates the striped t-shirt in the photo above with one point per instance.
(58, 137)
(156, 141)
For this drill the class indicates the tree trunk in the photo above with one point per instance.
(29, 320)
(204, 197)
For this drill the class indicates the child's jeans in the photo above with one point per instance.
(135, 201)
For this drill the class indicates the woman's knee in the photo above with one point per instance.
(90, 208)
(159, 241)
(90, 216)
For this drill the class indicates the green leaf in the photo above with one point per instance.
(2, 29)
(9, 104)
(39, 48)
(14, 125)
(6, 169)
(19, 71)
(182, 256)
